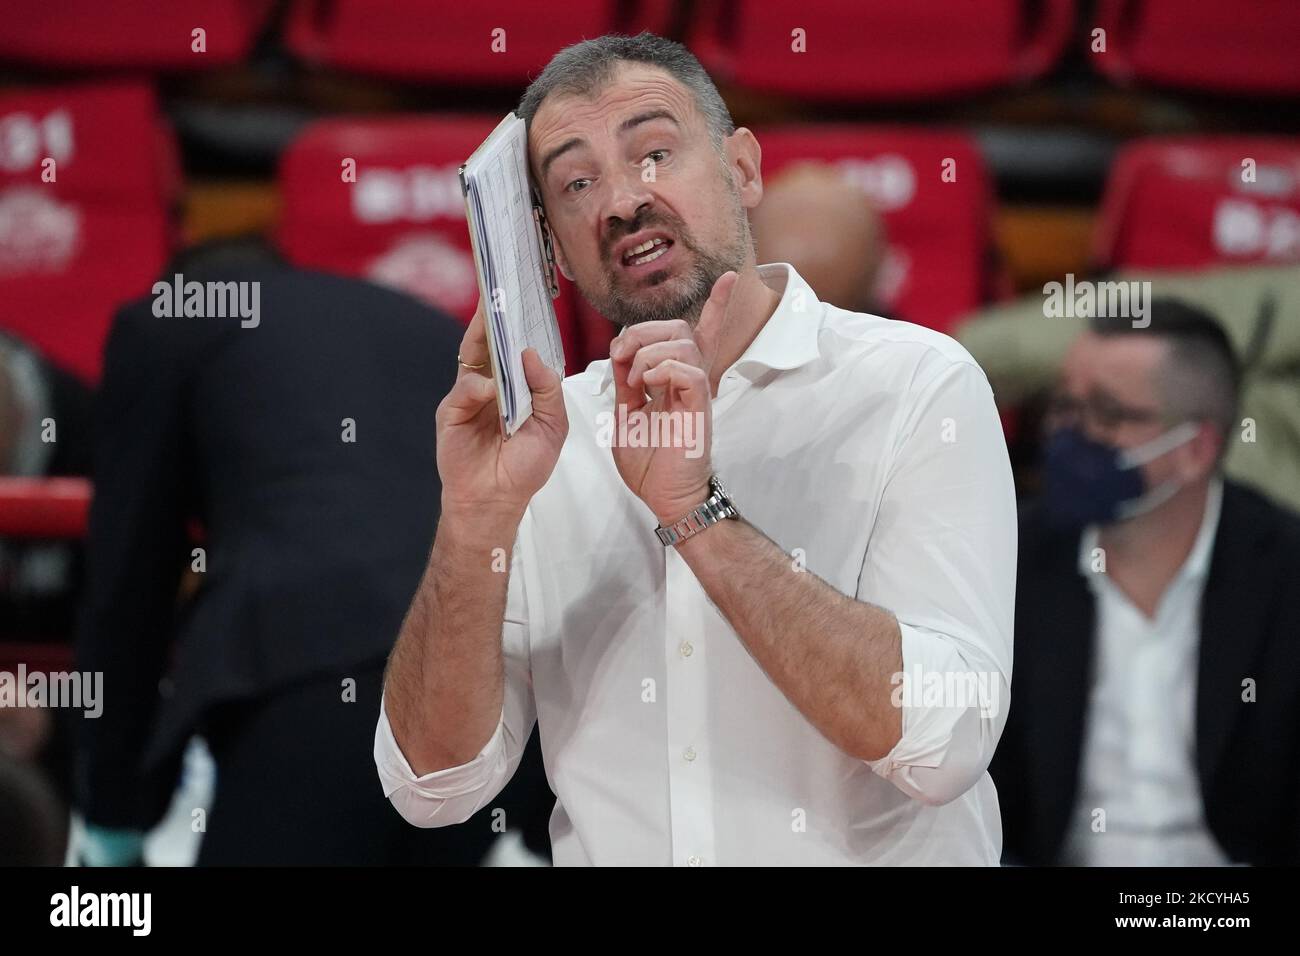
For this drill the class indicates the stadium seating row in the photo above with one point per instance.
(88, 183)
(812, 49)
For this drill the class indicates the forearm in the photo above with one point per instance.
(832, 656)
(444, 685)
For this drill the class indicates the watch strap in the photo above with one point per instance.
(717, 507)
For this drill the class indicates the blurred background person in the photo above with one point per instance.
(1155, 716)
(294, 443)
(33, 821)
(1258, 309)
(45, 432)
(829, 231)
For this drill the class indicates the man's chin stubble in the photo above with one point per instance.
(685, 306)
(659, 305)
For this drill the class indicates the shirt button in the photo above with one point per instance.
(685, 649)
(690, 753)
(693, 860)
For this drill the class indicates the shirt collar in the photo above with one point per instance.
(1197, 563)
(787, 340)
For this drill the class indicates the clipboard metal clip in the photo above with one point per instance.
(548, 250)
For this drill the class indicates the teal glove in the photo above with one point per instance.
(110, 846)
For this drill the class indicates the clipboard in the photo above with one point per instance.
(507, 369)
(548, 249)
(542, 228)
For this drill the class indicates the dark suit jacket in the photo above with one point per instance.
(1247, 754)
(314, 545)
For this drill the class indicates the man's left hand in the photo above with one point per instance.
(665, 367)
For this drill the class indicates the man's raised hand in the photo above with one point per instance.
(480, 471)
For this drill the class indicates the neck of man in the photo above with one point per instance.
(1143, 554)
(752, 304)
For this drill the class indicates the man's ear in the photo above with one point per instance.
(560, 261)
(1198, 457)
(745, 158)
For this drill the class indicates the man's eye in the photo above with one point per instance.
(577, 185)
(656, 155)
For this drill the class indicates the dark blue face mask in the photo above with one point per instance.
(1087, 482)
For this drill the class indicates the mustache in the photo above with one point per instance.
(675, 228)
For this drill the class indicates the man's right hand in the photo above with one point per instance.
(480, 471)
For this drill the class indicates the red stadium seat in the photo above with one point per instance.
(1186, 203)
(939, 232)
(879, 49)
(45, 508)
(594, 330)
(1247, 46)
(36, 658)
(154, 36)
(402, 222)
(497, 43)
(74, 249)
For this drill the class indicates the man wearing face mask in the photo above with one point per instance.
(1157, 710)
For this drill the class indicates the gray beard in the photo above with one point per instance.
(688, 304)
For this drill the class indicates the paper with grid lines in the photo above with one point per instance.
(512, 265)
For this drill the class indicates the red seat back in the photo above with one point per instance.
(879, 49)
(92, 33)
(1186, 203)
(45, 508)
(401, 223)
(1247, 46)
(73, 250)
(504, 42)
(937, 265)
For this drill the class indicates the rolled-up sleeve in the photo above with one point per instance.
(942, 558)
(454, 794)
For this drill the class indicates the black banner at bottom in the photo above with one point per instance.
(333, 905)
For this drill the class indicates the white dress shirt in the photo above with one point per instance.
(873, 447)
(1139, 756)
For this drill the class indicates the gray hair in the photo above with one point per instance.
(584, 68)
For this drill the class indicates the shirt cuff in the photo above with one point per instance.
(396, 774)
(943, 702)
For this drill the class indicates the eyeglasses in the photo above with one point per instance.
(1098, 411)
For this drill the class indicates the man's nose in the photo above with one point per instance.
(628, 196)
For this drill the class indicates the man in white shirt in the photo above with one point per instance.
(820, 679)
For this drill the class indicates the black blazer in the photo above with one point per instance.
(314, 545)
(1247, 754)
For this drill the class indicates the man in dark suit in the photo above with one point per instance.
(1155, 714)
(298, 439)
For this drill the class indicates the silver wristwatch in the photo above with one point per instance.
(716, 508)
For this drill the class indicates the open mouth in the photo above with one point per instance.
(647, 252)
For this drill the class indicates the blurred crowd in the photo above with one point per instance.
(229, 527)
